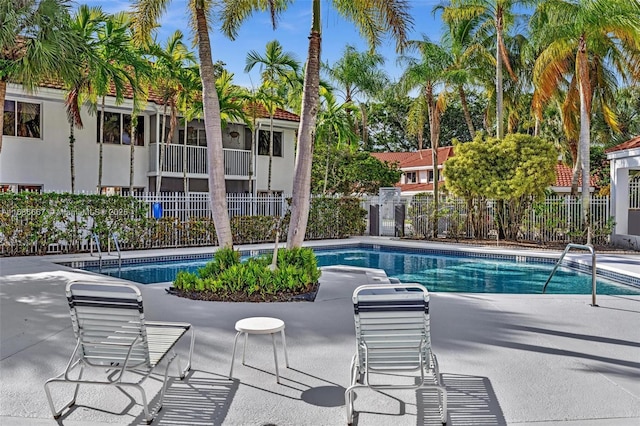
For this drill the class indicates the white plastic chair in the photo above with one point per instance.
(114, 337)
(393, 337)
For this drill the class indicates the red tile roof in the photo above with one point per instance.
(416, 187)
(630, 144)
(564, 174)
(154, 97)
(415, 158)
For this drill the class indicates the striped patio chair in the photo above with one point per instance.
(393, 337)
(114, 337)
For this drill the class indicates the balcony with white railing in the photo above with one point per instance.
(237, 162)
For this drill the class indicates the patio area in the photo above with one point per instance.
(505, 359)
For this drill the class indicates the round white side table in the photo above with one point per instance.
(260, 325)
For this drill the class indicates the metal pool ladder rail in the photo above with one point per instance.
(97, 240)
(593, 268)
(115, 242)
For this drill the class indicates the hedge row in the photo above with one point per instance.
(43, 223)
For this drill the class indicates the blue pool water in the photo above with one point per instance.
(436, 272)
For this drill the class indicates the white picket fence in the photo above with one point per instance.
(196, 204)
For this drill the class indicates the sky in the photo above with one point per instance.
(292, 32)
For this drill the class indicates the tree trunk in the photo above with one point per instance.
(162, 146)
(499, 94)
(185, 183)
(3, 95)
(213, 131)
(302, 171)
(100, 150)
(365, 132)
(270, 149)
(132, 132)
(536, 128)
(585, 126)
(434, 136)
(465, 110)
(72, 164)
(326, 172)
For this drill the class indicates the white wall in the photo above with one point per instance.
(282, 167)
(621, 163)
(46, 161)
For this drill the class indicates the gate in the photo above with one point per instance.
(388, 198)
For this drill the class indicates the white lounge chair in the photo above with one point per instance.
(113, 336)
(393, 337)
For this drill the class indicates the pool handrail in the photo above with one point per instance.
(97, 241)
(587, 247)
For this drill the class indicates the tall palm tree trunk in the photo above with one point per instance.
(310, 100)
(465, 110)
(185, 183)
(582, 66)
(100, 149)
(213, 131)
(499, 94)
(3, 95)
(162, 146)
(72, 163)
(433, 128)
(270, 150)
(132, 132)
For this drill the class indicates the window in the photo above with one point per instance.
(430, 176)
(410, 177)
(117, 129)
(263, 143)
(22, 119)
(20, 188)
(195, 136)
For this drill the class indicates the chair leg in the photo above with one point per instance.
(275, 356)
(68, 404)
(284, 344)
(233, 355)
(244, 349)
(145, 406)
(348, 399)
(166, 376)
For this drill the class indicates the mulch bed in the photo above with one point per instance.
(307, 295)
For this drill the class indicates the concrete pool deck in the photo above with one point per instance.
(505, 359)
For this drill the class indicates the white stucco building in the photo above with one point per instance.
(36, 152)
(625, 192)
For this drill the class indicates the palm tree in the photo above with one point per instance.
(587, 43)
(424, 74)
(334, 128)
(467, 57)
(275, 67)
(36, 43)
(85, 23)
(488, 17)
(110, 74)
(146, 15)
(168, 76)
(373, 18)
(358, 73)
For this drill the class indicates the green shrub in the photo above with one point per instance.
(226, 276)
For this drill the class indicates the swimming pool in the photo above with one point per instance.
(438, 271)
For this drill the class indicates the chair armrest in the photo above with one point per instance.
(184, 325)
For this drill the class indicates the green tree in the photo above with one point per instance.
(275, 67)
(489, 18)
(84, 23)
(110, 74)
(584, 42)
(513, 170)
(424, 74)
(334, 128)
(35, 43)
(351, 173)
(374, 18)
(145, 19)
(358, 74)
(169, 80)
